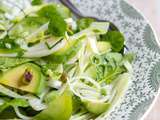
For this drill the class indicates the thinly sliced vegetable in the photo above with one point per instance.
(88, 89)
(20, 115)
(120, 85)
(10, 93)
(37, 104)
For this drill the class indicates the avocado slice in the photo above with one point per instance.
(67, 52)
(60, 108)
(26, 77)
(96, 107)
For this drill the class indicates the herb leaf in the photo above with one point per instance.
(116, 39)
(57, 26)
(84, 23)
(36, 2)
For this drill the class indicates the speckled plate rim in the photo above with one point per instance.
(151, 104)
(158, 43)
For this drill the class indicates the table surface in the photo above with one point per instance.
(151, 10)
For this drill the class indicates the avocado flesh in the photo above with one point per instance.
(60, 108)
(15, 78)
(96, 107)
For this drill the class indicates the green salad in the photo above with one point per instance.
(56, 67)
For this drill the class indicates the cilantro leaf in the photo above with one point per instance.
(115, 38)
(84, 23)
(36, 2)
(50, 9)
(57, 26)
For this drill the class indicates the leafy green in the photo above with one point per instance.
(34, 21)
(8, 44)
(15, 102)
(57, 26)
(8, 114)
(115, 38)
(106, 67)
(84, 23)
(7, 62)
(63, 11)
(49, 10)
(54, 71)
(37, 2)
(27, 26)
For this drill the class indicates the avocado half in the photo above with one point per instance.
(26, 77)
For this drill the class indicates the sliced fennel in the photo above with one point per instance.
(120, 85)
(37, 104)
(20, 115)
(41, 50)
(33, 101)
(10, 93)
(88, 89)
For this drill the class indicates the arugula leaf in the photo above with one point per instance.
(37, 2)
(57, 26)
(115, 38)
(84, 23)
